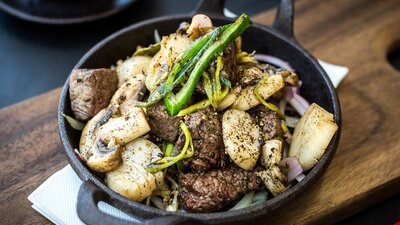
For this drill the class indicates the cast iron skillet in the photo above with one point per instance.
(277, 40)
(63, 12)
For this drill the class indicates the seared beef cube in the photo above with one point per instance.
(206, 131)
(162, 124)
(212, 191)
(90, 90)
(268, 120)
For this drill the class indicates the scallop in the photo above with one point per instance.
(241, 138)
(247, 100)
(129, 68)
(312, 135)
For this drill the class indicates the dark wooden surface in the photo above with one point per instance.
(365, 170)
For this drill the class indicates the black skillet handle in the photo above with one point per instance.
(284, 18)
(214, 7)
(88, 197)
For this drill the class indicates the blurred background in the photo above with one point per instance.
(35, 58)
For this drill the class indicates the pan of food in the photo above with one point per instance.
(215, 121)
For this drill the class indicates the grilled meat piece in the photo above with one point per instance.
(162, 124)
(289, 77)
(90, 90)
(269, 122)
(206, 131)
(212, 191)
(252, 73)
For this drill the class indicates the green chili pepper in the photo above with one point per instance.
(174, 103)
(179, 70)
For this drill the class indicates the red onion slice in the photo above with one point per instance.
(293, 93)
(296, 100)
(294, 167)
(157, 201)
(78, 154)
(273, 60)
(302, 101)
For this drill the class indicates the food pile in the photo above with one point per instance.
(195, 123)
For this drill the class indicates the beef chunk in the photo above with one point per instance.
(206, 131)
(268, 120)
(252, 73)
(90, 90)
(162, 124)
(212, 191)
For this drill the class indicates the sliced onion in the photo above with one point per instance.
(291, 121)
(273, 60)
(157, 202)
(157, 37)
(76, 124)
(77, 153)
(296, 100)
(259, 197)
(300, 177)
(302, 101)
(294, 167)
(244, 202)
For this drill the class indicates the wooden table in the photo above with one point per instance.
(365, 170)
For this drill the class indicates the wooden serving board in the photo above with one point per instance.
(365, 170)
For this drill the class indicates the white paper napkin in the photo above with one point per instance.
(336, 73)
(56, 198)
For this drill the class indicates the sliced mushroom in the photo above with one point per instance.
(111, 128)
(272, 180)
(98, 155)
(271, 152)
(200, 25)
(289, 77)
(131, 179)
(125, 128)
